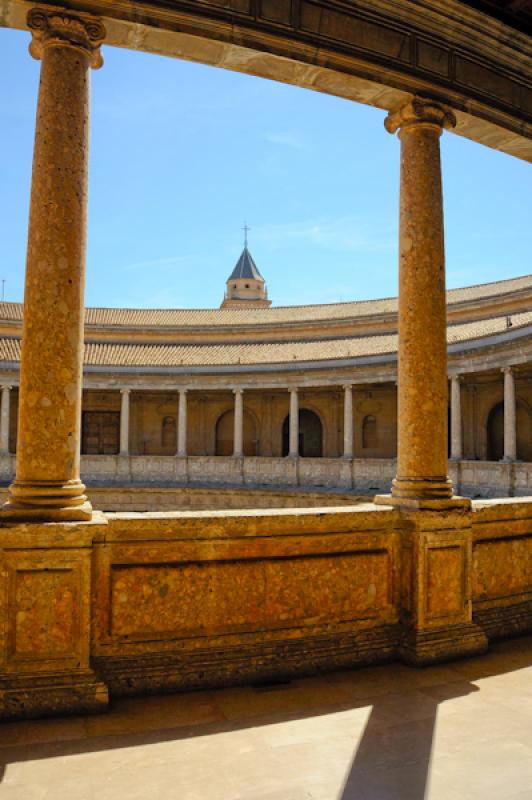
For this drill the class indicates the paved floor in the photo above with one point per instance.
(458, 731)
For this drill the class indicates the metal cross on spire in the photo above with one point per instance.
(245, 229)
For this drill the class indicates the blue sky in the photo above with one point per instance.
(183, 154)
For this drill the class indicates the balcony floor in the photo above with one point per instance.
(455, 732)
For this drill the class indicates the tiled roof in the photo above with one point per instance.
(227, 317)
(169, 355)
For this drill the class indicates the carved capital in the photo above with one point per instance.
(507, 370)
(420, 112)
(59, 29)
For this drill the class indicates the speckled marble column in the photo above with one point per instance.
(422, 478)
(47, 484)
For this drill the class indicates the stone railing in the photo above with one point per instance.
(135, 603)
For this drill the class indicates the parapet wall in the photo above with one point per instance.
(133, 603)
(359, 475)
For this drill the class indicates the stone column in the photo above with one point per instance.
(238, 437)
(47, 484)
(421, 479)
(182, 424)
(348, 421)
(124, 422)
(510, 432)
(294, 424)
(456, 419)
(4, 421)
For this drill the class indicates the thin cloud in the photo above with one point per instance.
(287, 139)
(345, 234)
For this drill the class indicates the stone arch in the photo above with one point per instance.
(370, 437)
(310, 434)
(495, 431)
(169, 434)
(225, 427)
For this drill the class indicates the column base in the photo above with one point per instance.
(424, 503)
(47, 501)
(52, 694)
(423, 647)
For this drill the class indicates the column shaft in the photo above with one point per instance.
(47, 484)
(294, 423)
(510, 429)
(124, 423)
(4, 420)
(348, 421)
(456, 419)
(422, 369)
(182, 424)
(238, 438)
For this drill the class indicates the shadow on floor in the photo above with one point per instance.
(402, 705)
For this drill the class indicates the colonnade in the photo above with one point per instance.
(47, 484)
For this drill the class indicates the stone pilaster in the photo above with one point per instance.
(294, 424)
(238, 438)
(421, 480)
(348, 421)
(124, 422)
(4, 420)
(182, 424)
(456, 419)
(510, 425)
(47, 484)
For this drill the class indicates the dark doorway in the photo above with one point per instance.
(100, 433)
(310, 435)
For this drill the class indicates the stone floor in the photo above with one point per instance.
(455, 732)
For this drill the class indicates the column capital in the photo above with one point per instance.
(507, 370)
(238, 391)
(183, 390)
(457, 378)
(347, 386)
(293, 389)
(6, 386)
(125, 391)
(420, 111)
(55, 28)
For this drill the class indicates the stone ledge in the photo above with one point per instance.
(51, 694)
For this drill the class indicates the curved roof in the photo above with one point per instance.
(114, 354)
(228, 317)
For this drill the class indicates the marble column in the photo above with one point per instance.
(47, 484)
(238, 437)
(294, 424)
(182, 424)
(421, 479)
(124, 422)
(4, 420)
(510, 429)
(456, 419)
(348, 421)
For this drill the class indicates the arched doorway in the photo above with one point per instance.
(495, 432)
(225, 428)
(310, 434)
